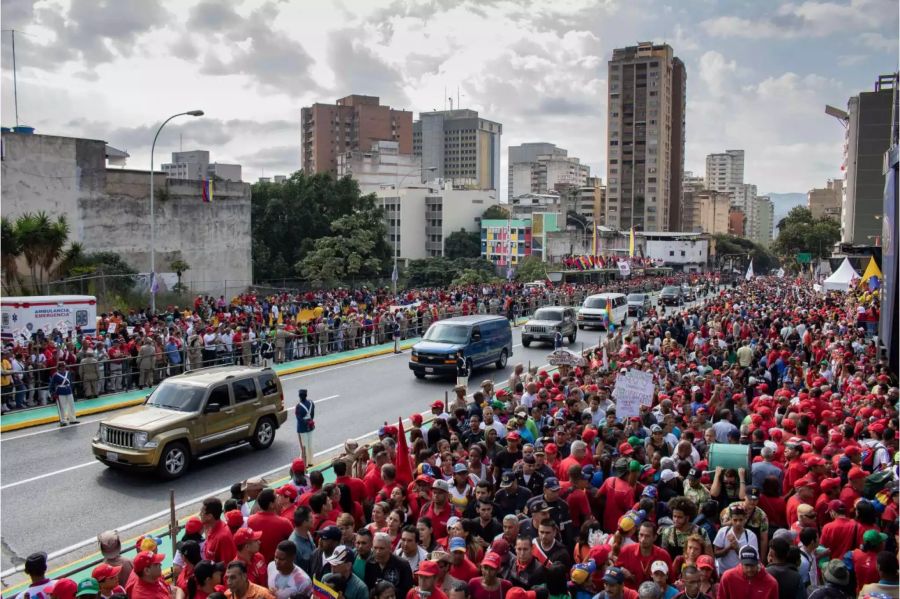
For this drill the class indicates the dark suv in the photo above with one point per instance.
(547, 321)
(671, 296)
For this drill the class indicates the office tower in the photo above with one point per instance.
(461, 146)
(725, 171)
(645, 133)
(826, 201)
(541, 167)
(764, 224)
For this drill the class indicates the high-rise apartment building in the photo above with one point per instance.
(691, 187)
(712, 212)
(541, 167)
(764, 225)
(352, 123)
(826, 201)
(460, 146)
(725, 170)
(868, 137)
(645, 133)
(737, 221)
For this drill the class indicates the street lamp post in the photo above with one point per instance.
(153, 283)
(395, 245)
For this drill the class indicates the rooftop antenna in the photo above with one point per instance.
(451, 103)
(15, 79)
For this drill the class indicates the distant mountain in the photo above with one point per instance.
(783, 203)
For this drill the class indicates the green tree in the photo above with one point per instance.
(179, 266)
(495, 212)
(42, 242)
(463, 244)
(800, 232)
(11, 244)
(471, 276)
(763, 260)
(288, 218)
(440, 272)
(356, 249)
(531, 268)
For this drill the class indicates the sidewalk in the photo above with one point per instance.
(48, 414)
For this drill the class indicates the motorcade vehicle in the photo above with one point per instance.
(482, 339)
(546, 322)
(593, 311)
(638, 301)
(671, 295)
(193, 414)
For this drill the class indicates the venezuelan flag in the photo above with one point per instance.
(322, 590)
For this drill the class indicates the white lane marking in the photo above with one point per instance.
(49, 474)
(313, 371)
(56, 428)
(326, 398)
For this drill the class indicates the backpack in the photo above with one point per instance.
(868, 457)
(877, 481)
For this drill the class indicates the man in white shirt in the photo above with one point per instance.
(408, 548)
(286, 577)
(491, 422)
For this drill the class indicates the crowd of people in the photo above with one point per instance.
(138, 349)
(764, 465)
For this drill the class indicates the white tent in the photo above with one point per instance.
(840, 280)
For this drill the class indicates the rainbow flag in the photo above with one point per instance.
(207, 191)
(323, 591)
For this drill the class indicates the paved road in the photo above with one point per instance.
(55, 495)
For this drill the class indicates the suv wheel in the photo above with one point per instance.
(419, 374)
(174, 460)
(572, 335)
(264, 435)
(526, 341)
(501, 361)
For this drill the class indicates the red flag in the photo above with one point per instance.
(401, 461)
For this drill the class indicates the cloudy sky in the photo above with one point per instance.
(759, 72)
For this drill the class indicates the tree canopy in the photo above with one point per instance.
(763, 259)
(440, 272)
(495, 212)
(288, 218)
(531, 268)
(463, 244)
(356, 249)
(799, 232)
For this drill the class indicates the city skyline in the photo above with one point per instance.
(758, 76)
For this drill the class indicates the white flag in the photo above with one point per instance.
(780, 273)
(394, 274)
(749, 274)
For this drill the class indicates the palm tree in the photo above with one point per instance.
(54, 240)
(11, 245)
(28, 228)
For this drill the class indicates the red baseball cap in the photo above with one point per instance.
(193, 525)
(288, 490)
(513, 436)
(856, 473)
(146, 558)
(437, 404)
(64, 588)
(520, 593)
(428, 568)
(234, 519)
(830, 483)
(805, 482)
(298, 465)
(105, 571)
(626, 448)
(551, 448)
(416, 419)
(705, 561)
(246, 535)
(491, 560)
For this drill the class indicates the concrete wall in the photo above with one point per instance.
(109, 209)
(670, 251)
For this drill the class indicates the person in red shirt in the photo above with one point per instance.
(149, 582)
(576, 458)
(439, 509)
(794, 469)
(831, 488)
(271, 526)
(64, 588)
(356, 486)
(247, 542)
(747, 580)
(577, 499)
(805, 494)
(636, 559)
(839, 535)
(286, 501)
(219, 545)
(427, 576)
(618, 493)
(489, 584)
(865, 558)
(462, 567)
(853, 491)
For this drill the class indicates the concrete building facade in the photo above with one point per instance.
(505, 242)
(737, 221)
(868, 137)
(419, 219)
(463, 147)
(108, 210)
(764, 225)
(352, 123)
(712, 211)
(826, 201)
(645, 136)
(382, 166)
(724, 170)
(541, 167)
(691, 187)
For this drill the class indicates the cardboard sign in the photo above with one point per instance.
(632, 390)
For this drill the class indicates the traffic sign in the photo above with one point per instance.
(804, 258)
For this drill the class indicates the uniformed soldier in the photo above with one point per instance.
(146, 359)
(89, 373)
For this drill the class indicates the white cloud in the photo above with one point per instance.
(716, 72)
(806, 19)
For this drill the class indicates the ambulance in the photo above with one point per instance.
(24, 316)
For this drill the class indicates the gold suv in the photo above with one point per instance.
(193, 414)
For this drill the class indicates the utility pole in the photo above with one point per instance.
(15, 79)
